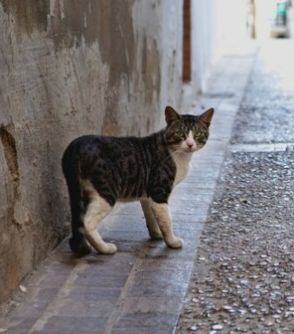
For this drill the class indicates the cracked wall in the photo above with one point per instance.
(69, 68)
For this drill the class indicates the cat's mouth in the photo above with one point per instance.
(185, 149)
(190, 149)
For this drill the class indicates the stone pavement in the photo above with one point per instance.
(141, 288)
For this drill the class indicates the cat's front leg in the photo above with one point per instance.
(151, 222)
(162, 215)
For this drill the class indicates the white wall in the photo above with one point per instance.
(218, 27)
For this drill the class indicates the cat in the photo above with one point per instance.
(101, 170)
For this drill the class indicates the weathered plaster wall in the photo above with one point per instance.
(70, 67)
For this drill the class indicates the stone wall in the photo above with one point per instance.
(71, 67)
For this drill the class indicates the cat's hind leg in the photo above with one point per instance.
(151, 222)
(77, 242)
(97, 209)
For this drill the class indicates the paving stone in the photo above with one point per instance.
(101, 280)
(154, 279)
(142, 304)
(133, 247)
(89, 293)
(161, 251)
(65, 324)
(97, 263)
(155, 321)
(196, 217)
(130, 223)
(22, 325)
(31, 309)
(195, 202)
(52, 279)
(187, 224)
(162, 265)
(120, 234)
(99, 272)
(84, 308)
(46, 294)
(191, 222)
(190, 210)
(130, 209)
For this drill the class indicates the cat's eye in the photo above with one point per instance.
(200, 138)
(179, 134)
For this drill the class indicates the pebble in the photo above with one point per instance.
(290, 299)
(193, 328)
(23, 289)
(217, 327)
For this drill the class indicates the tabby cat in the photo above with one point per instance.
(102, 170)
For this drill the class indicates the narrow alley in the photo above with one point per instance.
(70, 68)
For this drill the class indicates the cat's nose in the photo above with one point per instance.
(190, 145)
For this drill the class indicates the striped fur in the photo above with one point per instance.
(102, 170)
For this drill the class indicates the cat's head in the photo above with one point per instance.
(187, 133)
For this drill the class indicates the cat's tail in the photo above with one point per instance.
(70, 171)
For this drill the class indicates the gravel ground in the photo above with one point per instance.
(266, 112)
(243, 279)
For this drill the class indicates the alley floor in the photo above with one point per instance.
(243, 279)
(235, 272)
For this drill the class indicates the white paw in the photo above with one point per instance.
(175, 243)
(109, 248)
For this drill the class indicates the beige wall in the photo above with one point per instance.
(71, 67)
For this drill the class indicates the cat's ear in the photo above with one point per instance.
(206, 116)
(171, 115)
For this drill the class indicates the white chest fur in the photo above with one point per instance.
(182, 161)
